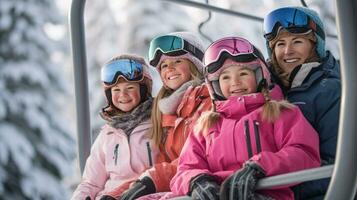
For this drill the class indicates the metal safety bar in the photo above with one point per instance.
(80, 80)
(287, 179)
(343, 183)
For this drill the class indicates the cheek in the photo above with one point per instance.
(135, 95)
(185, 71)
(115, 96)
(224, 86)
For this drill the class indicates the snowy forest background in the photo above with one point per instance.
(38, 149)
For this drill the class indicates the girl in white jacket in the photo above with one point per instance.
(123, 148)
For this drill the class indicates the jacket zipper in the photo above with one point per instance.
(257, 136)
(116, 153)
(247, 139)
(149, 153)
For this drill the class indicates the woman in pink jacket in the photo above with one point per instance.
(123, 149)
(252, 133)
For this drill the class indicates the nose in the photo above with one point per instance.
(236, 81)
(171, 66)
(288, 49)
(123, 93)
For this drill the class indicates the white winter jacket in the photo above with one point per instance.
(114, 159)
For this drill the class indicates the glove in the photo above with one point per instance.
(204, 187)
(241, 185)
(107, 197)
(139, 188)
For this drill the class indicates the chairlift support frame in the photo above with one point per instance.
(343, 183)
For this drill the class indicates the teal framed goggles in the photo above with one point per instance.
(172, 46)
(130, 70)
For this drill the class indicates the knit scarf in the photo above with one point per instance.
(128, 121)
(169, 104)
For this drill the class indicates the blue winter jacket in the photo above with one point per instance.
(318, 96)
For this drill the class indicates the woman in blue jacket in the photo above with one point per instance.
(310, 78)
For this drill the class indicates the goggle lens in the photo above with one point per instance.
(291, 19)
(237, 47)
(128, 69)
(172, 46)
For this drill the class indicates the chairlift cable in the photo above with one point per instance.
(226, 11)
(216, 9)
(202, 23)
(303, 3)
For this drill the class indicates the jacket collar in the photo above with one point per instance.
(236, 107)
(329, 68)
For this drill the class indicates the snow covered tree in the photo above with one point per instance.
(36, 147)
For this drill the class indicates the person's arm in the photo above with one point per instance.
(327, 105)
(192, 163)
(298, 143)
(94, 175)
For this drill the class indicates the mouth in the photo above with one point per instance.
(292, 60)
(238, 91)
(172, 77)
(125, 101)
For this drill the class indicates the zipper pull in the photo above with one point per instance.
(115, 157)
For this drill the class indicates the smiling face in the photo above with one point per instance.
(292, 50)
(126, 95)
(237, 80)
(175, 72)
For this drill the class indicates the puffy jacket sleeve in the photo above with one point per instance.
(192, 162)
(94, 175)
(297, 142)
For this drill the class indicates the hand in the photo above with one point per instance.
(241, 185)
(139, 188)
(204, 187)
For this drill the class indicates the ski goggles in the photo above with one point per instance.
(172, 46)
(130, 70)
(291, 19)
(236, 48)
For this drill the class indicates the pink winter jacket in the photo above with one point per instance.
(115, 159)
(288, 144)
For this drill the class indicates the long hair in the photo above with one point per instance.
(206, 121)
(156, 115)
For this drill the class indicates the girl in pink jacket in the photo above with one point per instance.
(252, 132)
(123, 148)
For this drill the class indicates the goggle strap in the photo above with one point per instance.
(193, 50)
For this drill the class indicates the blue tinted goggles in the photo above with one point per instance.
(172, 46)
(130, 70)
(291, 19)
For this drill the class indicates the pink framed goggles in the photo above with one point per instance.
(239, 49)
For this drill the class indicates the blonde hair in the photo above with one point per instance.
(156, 115)
(270, 112)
